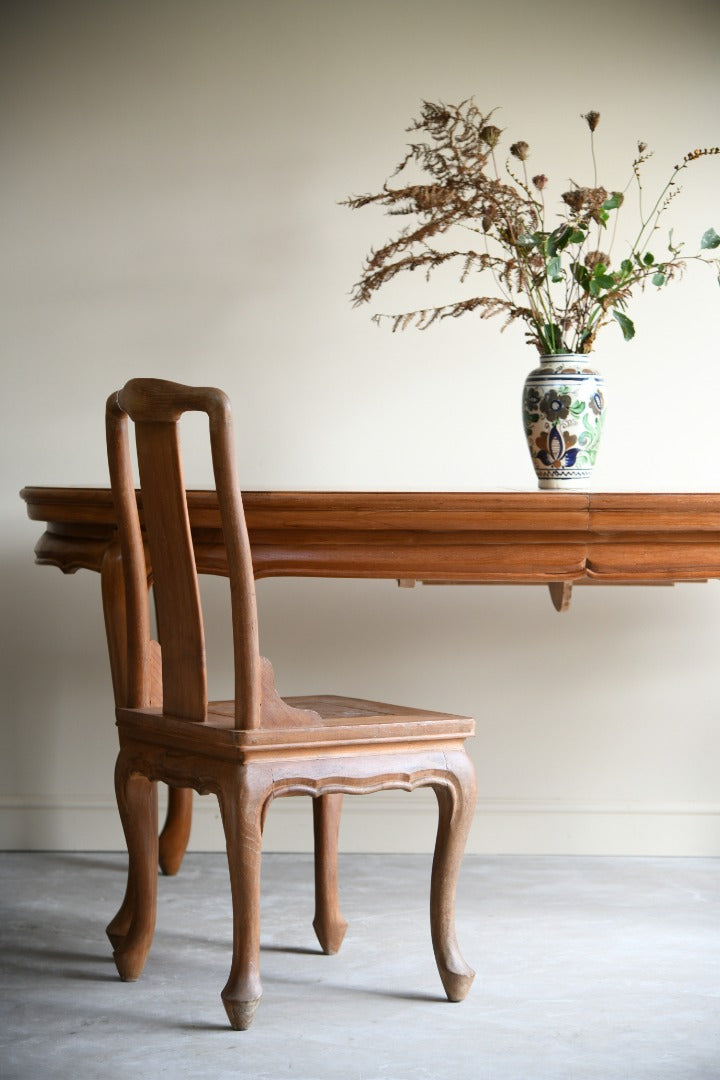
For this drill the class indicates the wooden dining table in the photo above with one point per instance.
(560, 540)
(550, 538)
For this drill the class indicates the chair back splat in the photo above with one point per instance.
(156, 407)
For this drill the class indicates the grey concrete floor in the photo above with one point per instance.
(587, 969)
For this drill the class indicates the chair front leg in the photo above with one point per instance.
(456, 805)
(131, 931)
(241, 807)
(328, 923)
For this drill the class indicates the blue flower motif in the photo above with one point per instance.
(597, 402)
(555, 451)
(556, 406)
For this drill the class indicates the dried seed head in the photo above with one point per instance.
(642, 147)
(585, 202)
(491, 135)
(520, 150)
(540, 181)
(596, 258)
(592, 119)
(575, 198)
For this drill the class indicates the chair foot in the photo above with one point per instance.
(130, 962)
(240, 1013)
(330, 934)
(456, 983)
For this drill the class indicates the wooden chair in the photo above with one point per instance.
(259, 746)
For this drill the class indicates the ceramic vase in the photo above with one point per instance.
(563, 413)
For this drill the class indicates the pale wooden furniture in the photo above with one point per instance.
(259, 746)
(554, 539)
(538, 537)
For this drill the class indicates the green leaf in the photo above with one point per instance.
(626, 266)
(658, 279)
(648, 259)
(626, 325)
(710, 239)
(602, 280)
(551, 335)
(581, 275)
(558, 239)
(554, 269)
(614, 201)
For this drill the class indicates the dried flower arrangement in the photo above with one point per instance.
(559, 279)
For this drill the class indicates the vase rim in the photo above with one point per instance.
(562, 356)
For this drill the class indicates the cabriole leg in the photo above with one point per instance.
(131, 931)
(456, 804)
(241, 808)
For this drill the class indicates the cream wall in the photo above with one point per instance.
(171, 175)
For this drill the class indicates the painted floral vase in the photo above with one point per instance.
(563, 413)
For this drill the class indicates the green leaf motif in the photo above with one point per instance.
(710, 239)
(626, 325)
(658, 279)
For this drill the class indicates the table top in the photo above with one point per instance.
(481, 537)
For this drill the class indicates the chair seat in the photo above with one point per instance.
(338, 720)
